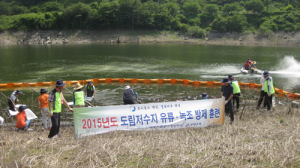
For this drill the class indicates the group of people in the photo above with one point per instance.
(231, 92)
(249, 65)
(51, 105)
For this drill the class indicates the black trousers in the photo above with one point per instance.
(55, 119)
(236, 97)
(229, 106)
(268, 101)
(128, 101)
(11, 105)
(261, 97)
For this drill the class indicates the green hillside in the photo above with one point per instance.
(193, 17)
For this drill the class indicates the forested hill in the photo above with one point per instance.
(191, 16)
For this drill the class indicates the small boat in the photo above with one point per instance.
(252, 71)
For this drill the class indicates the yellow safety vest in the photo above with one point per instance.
(79, 98)
(267, 89)
(236, 87)
(57, 103)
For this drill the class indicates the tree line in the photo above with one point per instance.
(193, 17)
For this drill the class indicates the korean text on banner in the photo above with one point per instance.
(170, 115)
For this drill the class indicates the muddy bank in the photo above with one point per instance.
(141, 36)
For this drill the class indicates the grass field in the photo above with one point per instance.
(259, 139)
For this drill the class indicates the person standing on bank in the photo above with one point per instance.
(269, 89)
(78, 96)
(13, 99)
(262, 93)
(56, 99)
(128, 95)
(227, 92)
(89, 90)
(22, 121)
(236, 91)
(43, 103)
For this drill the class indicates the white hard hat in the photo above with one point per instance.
(1, 120)
(127, 87)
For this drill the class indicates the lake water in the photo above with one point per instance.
(36, 63)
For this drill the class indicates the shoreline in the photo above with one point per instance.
(56, 37)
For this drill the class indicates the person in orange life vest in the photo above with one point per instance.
(43, 103)
(22, 121)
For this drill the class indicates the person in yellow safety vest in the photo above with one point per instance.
(236, 91)
(78, 96)
(269, 89)
(56, 99)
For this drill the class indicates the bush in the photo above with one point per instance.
(184, 27)
(289, 8)
(16, 10)
(264, 31)
(30, 21)
(34, 9)
(195, 31)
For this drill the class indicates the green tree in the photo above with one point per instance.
(78, 16)
(109, 14)
(228, 8)
(4, 8)
(128, 12)
(162, 19)
(219, 24)
(51, 6)
(145, 17)
(256, 6)
(267, 3)
(212, 9)
(173, 8)
(236, 23)
(191, 8)
(94, 5)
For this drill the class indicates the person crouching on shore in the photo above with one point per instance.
(22, 121)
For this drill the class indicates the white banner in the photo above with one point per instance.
(167, 115)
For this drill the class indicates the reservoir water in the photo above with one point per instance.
(36, 63)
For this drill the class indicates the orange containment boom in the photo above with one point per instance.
(148, 81)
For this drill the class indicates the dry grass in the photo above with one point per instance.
(261, 139)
